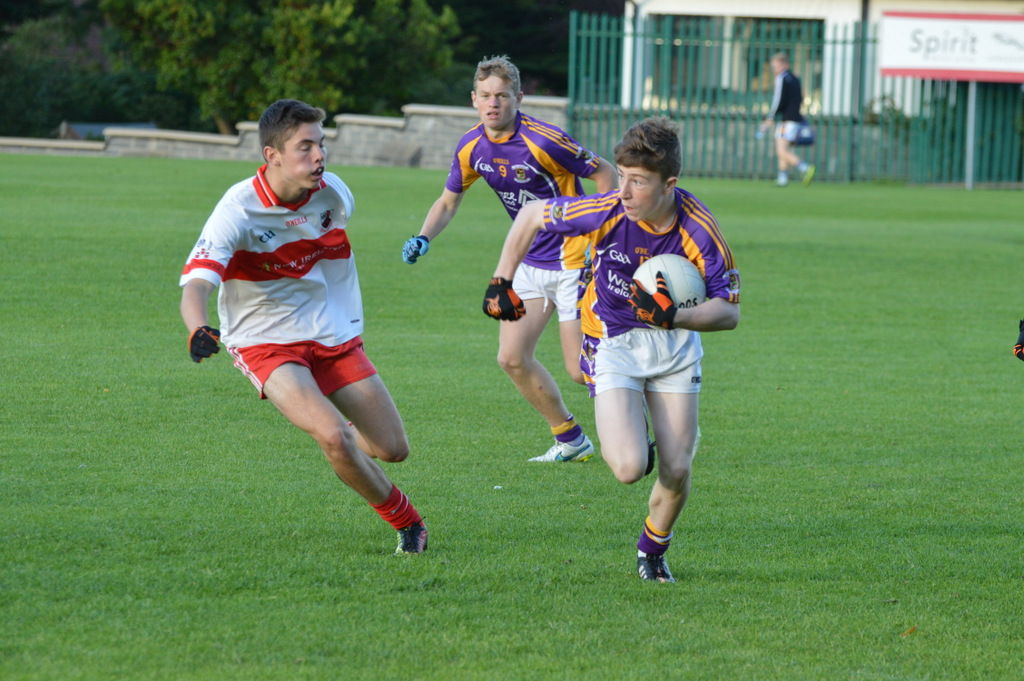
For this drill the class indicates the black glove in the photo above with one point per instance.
(1018, 349)
(203, 343)
(501, 302)
(657, 309)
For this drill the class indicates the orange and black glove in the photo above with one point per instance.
(657, 309)
(501, 302)
(203, 343)
(1018, 349)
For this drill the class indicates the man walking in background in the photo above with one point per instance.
(786, 103)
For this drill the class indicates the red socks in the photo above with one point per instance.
(397, 510)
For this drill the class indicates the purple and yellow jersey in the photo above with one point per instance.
(536, 161)
(620, 245)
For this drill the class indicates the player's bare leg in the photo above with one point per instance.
(571, 336)
(784, 151)
(674, 417)
(292, 389)
(622, 431)
(789, 160)
(517, 345)
(378, 426)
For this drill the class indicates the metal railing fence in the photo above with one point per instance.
(712, 76)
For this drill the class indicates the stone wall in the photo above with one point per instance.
(424, 137)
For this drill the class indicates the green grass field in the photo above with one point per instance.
(857, 505)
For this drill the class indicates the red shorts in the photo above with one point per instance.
(332, 368)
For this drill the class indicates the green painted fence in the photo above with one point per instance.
(712, 75)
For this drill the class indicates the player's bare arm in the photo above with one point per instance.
(715, 314)
(203, 340)
(501, 301)
(527, 224)
(441, 213)
(195, 296)
(438, 217)
(606, 176)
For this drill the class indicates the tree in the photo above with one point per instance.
(533, 33)
(54, 68)
(14, 12)
(236, 57)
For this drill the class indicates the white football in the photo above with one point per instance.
(682, 277)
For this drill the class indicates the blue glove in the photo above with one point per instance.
(414, 248)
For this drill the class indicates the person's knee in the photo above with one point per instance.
(338, 446)
(511, 361)
(674, 473)
(395, 451)
(626, 470)
(674, 467)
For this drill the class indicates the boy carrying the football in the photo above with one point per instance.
(638, 345)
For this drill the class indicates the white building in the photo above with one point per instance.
(826, 71)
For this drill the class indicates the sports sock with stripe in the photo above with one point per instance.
(397, 509)
(568, 431)
(652, 540)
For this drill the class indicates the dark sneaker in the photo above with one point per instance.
(653, 568)
(412, 539)
(651, 455)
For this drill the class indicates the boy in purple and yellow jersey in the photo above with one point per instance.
(522, 159)
(638, 344)
(291, 312)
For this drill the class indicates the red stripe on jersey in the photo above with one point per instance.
(262, 187)
(198, 264)
(292, 260)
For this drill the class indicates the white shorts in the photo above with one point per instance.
(563, 286)
(788, 130)
(643, 359)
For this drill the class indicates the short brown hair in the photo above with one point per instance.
(651, 144)
(500, 67)
(281, 118)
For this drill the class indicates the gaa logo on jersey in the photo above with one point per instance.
(520, 173)
(325, 220)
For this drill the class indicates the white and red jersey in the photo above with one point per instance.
(286, 271)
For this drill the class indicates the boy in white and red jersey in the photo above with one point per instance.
(291, 312)
(522, 158)
(624, 358)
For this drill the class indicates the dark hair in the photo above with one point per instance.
(281, 118)
(651, 144)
